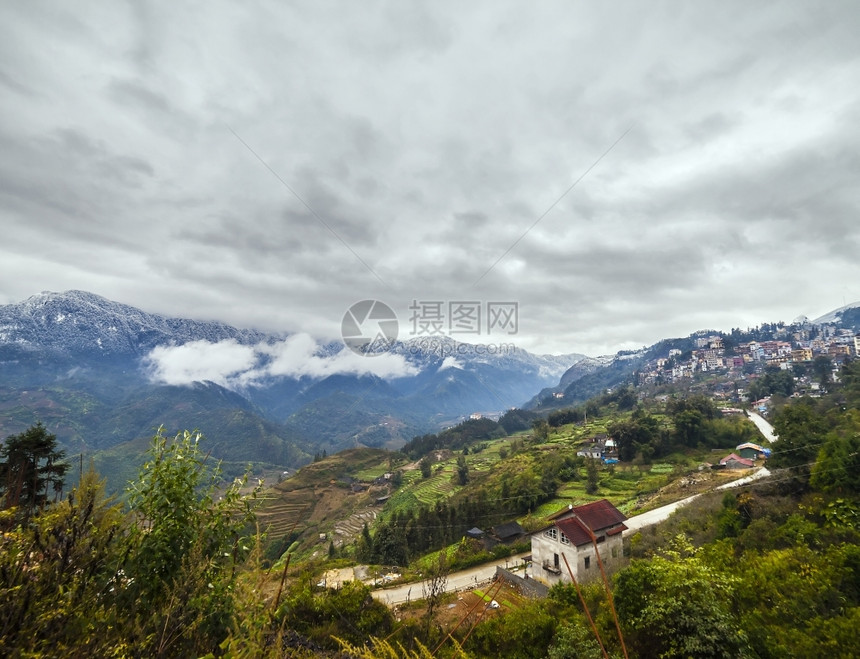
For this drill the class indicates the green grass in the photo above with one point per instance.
(372, 473)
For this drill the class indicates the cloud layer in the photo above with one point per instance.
(236, 366)
(268, 165)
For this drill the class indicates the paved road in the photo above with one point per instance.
(468, 579)
(662, 513)
(763, 426)
(463, 580)
(655, 516)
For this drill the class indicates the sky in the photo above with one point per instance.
(622, 172)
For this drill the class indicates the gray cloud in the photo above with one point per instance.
(430, 137)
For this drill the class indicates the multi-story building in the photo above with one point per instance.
(572, 542)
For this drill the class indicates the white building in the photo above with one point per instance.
(578, 534)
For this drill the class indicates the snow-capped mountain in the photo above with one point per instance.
(835, 315)
(85, 323)
(85, 357)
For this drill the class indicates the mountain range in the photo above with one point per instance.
(103, 375)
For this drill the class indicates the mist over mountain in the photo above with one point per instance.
(100, 373)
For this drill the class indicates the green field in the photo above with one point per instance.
(321, 493)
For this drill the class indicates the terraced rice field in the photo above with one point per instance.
(345, 531)
(438, 486)
(277, 518)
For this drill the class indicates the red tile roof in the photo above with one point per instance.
(599, 516)
(733, 457)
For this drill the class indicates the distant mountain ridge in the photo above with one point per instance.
(84, 365)
(82, 322)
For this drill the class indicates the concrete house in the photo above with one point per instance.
(570, 536)
(734, 461)
(593, 451)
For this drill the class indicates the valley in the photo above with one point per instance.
(363, 492)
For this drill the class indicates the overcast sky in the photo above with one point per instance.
(268, 164)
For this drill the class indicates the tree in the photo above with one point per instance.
(389, 545)
(53, 576)
(541, 429)
(30, 464)
(626, 398)
(677, 606)
(364, 550)
(822, 367)
(774, 381)
(462, 470)
(689, 428)
(801, 432)
(433, 587)
(83, 579)
(426, 466)
(640, 433)
(592, 476)
(182, 552)
(837, 466)
(574, 639)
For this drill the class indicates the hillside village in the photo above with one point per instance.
(813, 355)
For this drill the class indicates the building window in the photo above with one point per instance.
(615, 552)
(564, 539)
(551, 533)
(587, 562)
(600, 538)
(555, 561)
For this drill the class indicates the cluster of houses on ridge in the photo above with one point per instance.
(710, 355)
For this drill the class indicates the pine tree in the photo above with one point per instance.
(30, 465)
